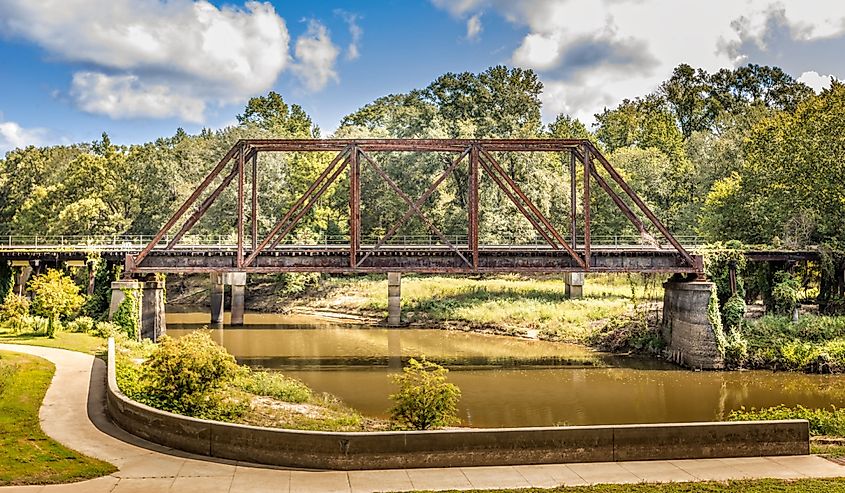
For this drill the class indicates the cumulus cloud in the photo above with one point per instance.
(816, 81)
(474, 27)
(316, 56)
(353, 50)
(164, 58)
(13, 136)
(593, 53)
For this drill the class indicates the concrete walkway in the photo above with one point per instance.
(73, 413)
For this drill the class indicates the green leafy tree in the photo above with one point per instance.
(425, 399)
(13, 311)
(55, 296)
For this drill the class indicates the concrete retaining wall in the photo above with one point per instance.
(475, 447)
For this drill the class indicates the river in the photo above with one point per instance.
(505, 381)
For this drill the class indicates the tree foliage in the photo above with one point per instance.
(425, 399)
(54, 296)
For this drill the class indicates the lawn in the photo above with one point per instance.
(745, 486)
(27, 455)
(74, 341)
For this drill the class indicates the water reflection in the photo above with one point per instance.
(512, 382)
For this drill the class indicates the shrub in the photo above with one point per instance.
(275, 385)
(830, 422)
(13, 312)
(628, 333)
(105, 329)
(425, 399)
(55, 296)
(186, 375)
(733, 312)
(126, 315)
(81, 324)
(735, 348)
(785, 293)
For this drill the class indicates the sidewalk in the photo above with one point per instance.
(73, 413)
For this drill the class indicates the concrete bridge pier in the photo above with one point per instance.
(23, 271)
(153, 324)
(394, 299)
(686, 326)
(574, 282)
(120, 290)
(238, 282)
(217, 292)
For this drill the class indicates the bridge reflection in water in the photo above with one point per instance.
(507, 381)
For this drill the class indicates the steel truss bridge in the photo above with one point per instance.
(174, 250)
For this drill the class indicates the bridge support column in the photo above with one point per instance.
(238, 282)
(394, 299)
(23, 271)
(119, 290)
(217, 290)
(153, 324)
(686, 326)
(574, 285)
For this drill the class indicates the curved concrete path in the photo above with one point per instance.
(73, 413)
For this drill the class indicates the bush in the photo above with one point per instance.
(630, 333)
(275, 385)
(735, 349)
(785, 293)
(105, 329)
(81, 324)
(186, 375)
(14, 311)
(733, 313)
(425, 399)
(127, 314)
(830, 422)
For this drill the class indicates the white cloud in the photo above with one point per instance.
(13, 136)
(155, 58)
(815, 81)
(316, 56)
(123, 96)
(474, 27)
(593, 53)
(353, 50)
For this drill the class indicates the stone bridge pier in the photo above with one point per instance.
(149, 304)
(686, 326)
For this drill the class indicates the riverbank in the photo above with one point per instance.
(508, 304)
(27, 455)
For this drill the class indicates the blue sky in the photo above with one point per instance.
(138, 69)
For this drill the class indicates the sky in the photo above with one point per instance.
(139, 69)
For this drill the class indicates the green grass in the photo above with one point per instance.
(84, 343)
(823, 422)
(814, 344)
(511, 304)
(27, 455)
(744, 486)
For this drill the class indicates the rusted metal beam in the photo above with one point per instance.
(643, 207)
(278, 226)
(185, 205)
(413, 145)
(254, 207)
(472, 227)
(410, 212)
(354, 205)
(587, 219)
(411, 204)
(492, 161)
(573, 192)
(241, 159)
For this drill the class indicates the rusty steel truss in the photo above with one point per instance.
(555, 255)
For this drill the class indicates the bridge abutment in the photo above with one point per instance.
(686, 326)
(394, 299)
(23, 271)
(574, 282)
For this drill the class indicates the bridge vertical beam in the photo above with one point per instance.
(473, 205)
(573, 200)
(587, 168)
(241, 157)
(574, 282)
(254, 215)
(153, 324)
(354, 206)
(238, 282)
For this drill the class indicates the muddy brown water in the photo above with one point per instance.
(505, 381)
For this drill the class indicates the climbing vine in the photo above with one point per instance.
(126, 316)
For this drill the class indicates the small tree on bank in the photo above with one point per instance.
(13, 311)
(425, 399)
(56, 296)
